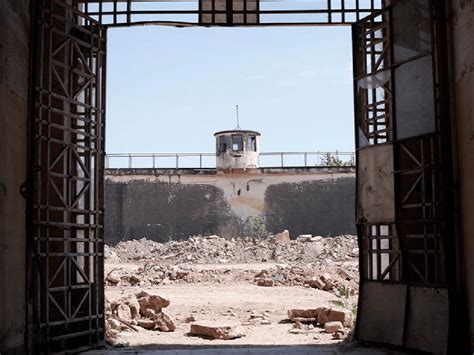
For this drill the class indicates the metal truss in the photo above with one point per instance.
(68, 164)
(228, 12)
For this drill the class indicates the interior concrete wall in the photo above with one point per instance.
(14, 65)
(462, 22)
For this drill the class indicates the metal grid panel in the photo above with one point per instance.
(373, 79)
(419, 205)
(68, 149)
(381, 253)
(415, 246)
(229, 12)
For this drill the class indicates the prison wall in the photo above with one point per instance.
(169, 204)
(14, 64)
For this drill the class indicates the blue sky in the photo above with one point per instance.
(170, 89)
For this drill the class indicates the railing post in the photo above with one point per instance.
(154, 161)
(200, 161)
(130, 161)
(282, 164)
(177, 161)
(305, 159)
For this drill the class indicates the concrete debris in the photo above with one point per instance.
(215, 330)
(283, 237)
(321, 316)
(339, 334)
(265, 282)
(143, 310)
(332, 327)
(324, 273)
(330, 314)
(214, 249)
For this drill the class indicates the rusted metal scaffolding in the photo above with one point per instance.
(68, 166)
(229, 12)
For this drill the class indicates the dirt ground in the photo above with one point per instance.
(227, 293)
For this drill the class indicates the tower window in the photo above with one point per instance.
(237, 143)
(252, 143)
(222, 144)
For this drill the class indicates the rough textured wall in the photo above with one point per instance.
(14, 58)
(163, 211)
(462, 18)
(164, 205)
(323, 207)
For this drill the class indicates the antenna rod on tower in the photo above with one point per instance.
(237, 111)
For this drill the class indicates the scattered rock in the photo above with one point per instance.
(146, 323)
(330, 315)
(339, 334)
(217, 331)
(332, 327)
(283, 237)
(164, 322)
(304, 238)
(266, 282)
(303, 315)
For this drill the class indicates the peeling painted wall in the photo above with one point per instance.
(168, 204)
(14, 59)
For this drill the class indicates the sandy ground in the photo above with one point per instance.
(230, 302)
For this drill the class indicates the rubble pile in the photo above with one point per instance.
(215, 249)
(144, 310)
(334, 266)
(344, 281)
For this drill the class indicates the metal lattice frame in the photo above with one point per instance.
(373, 73)
(229, 12)
(67, 299)
(411, 247)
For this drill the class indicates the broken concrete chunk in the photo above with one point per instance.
(304, 238)
(283, 237)
(266, 282)
(332, 327)
(303, 315)
(146, 323)
(164, 322)
(341, 315)
(134, 306)
(215, 330)
(123, 312)
(112, 280)
(114, 323)
(153, 302)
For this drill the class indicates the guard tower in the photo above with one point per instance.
(237, 149)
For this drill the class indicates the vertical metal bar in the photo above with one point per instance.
(153, 161)
(200, 161)
(130, 161)
(282, 160)
(177, 161)
(306, 159)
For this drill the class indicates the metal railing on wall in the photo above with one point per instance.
(208, 160)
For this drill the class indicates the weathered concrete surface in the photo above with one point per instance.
(14, 59)
(164, 204)
(320, 207)
(162, 211)
(462, 21)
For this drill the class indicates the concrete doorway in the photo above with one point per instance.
(407, 254)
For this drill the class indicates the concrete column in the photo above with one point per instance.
(14, 62)
(462, 21)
